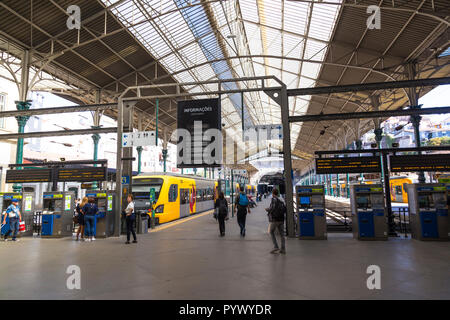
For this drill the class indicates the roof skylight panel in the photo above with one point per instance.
(306, 83)
(323, 20)
(315, 50)
(172, 63)
(273, 41)
(310, 70)
(288, 77)
(249, 10)
(205, 72)
(219, 15)
(193, 54)
(153, 41)
(185, 77)
(291, 66)
(296, 16)
(292, 45)
(270, 12)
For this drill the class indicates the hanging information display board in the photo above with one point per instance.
(82, 174)
(420, 162)
(348, 165)
(28, 175)
(199, 142)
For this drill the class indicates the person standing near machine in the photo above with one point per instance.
(80, 217)
(276, 213)
(242, 209)
(222, 212)
(130, 219)
(15, 217)
(90, 210)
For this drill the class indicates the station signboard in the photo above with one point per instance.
(348, 165)
(420, 162)
(139, 139)
(28, 175)
(203, 146)
(82, 174)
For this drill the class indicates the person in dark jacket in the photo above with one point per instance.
(221, 205)
(241, 204)
(90, 210)
(80, 217)
(276, 219)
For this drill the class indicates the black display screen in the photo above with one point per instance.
(362, 201)
(82, 174)
(348, 165)
(196, 117)
(420, 162)
(28, 175)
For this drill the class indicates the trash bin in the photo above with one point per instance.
(142, 222)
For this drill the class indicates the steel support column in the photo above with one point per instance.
(117, 224)
(21, 122)
(123, 167)
(96, 139)
(139, 152)
(287, 161)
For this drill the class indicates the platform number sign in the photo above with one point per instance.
(138, 139)
(125, 179)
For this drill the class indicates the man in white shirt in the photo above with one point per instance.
(130, 217)
(14, 215)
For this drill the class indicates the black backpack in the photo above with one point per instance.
(223, 208)
(279, 211)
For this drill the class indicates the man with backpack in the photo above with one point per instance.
(15, 217)
(241, 204)
(276, 213)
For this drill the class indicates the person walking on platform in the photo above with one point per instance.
(13, 213)
(90, 210)
(276, 213)
(130, 219)
(221, 205)
(80, 217)
(241, 204)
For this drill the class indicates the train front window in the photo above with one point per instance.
(141, 190)
(398, 190)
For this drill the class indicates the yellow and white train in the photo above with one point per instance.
(177, 196)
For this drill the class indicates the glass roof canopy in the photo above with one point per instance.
(240, 38)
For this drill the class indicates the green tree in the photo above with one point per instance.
(438, 141)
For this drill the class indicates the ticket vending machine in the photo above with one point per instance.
(26, 207)
(57, 214)
(311, 212)
(369, 216)
(428, 211)
(105, 219)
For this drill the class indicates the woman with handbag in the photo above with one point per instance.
(80, 217)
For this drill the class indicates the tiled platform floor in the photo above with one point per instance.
(190, 261)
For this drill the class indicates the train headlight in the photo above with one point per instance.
(160, 209)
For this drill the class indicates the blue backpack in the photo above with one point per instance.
(243, 200)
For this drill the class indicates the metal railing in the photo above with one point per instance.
(402, 221)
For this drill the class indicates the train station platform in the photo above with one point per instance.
(188, 260)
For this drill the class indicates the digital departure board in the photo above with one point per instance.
(420, 162)
(82, 174)
(348, 165)
(28, 175)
